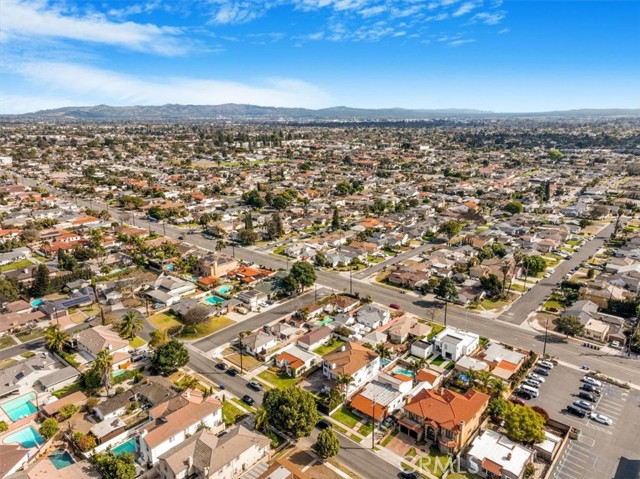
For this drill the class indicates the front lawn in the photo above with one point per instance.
(346, 417)
(7, 342)
(7, 363)
(553, 304)
(163, 321)
(438, 361)
(279, 380)
(206, 328)
(365, 429)
(230, 413)
(492, 304)
(137, 342)
(27, 336)
(23, 263)
(330, 346)
(435, 462)
(71, 388)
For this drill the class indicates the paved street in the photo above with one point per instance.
(365, 273)
(527, 303)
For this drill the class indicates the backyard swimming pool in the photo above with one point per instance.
(224, 289)
(19, 407)
(119, 372)
(37, 302)
(214, 300)
(404, 372)
(61, 459)
(27, 437)
(128, 446)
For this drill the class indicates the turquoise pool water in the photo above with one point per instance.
(214, 300)
(28, 437)
(37, 302)
(404, 372)
(224, 289)
(119, 372)
(61, 459)
(20, 407)
(326, 321)
(128, 446)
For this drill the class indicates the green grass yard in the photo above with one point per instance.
(327, 348)
(230, 413)
(71, 388)
(346, 417)
(27, 336)
(163, 321)
(7, 342)
(23, 263)
(207, 328)
(278, 380)
(137, 342)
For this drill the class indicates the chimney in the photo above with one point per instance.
(508, 456)
(189, 464)
(109, 346)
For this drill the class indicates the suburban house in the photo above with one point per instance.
(168, 290)
(258, 343)
(206, 455)
(173, 420)
(93, 340)
(154, 390)
(453, 343)
(406, 326)
(294, 361)
(344, 304)
(381, 397)
(493, 455)
(587, 312)
(26, 373)
(444, 417)
(373, 316)
(354, 360)
(421, 349)
(59, 378)
(315, 338)
(503, 361)
(216, 264)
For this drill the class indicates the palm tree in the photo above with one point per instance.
(261, 419)
(103, 365)
(130, 325)
(220, 245)
(415, 366)
(497, 387)
(383, 351)
(505, 268)
(484, 377)
(343, 381)
(55, 338)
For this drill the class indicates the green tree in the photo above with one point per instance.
(3, 426)
(446, 289)
(9, 288)
(92, 379)
(41, 281)
(569, 325)
(130, 325)
(514, 207)
(335, 220)
(554, 154)
(158, 338)
(291, 410)
(320, 259)
(450, 228)
(497, 408)
(289, 284)
(523, 424)
(114, 466)
(304, 274)
(55, 338)
(247, 237)
(103, 365)
(534, 264)
(492, 284)
(67, 411)
(49, 428)
(327, 444)
(169, 357)
(261, 420)
(275, 229)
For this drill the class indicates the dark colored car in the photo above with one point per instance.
(232, 372)
(222, 366)
(541, 371)
(590, 388)
(394, 306)
(576, 411)
(323, 424)
(248, 400)
(587, 396)
(523, 394)
(407, 474)
(255, 385)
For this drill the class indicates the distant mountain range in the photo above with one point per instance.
(231, 111)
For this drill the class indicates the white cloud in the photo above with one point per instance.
(458, 43)
(489, 18)
(464, 9)
(21, 19)
(64, 84)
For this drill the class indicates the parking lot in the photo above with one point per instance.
(595, 455)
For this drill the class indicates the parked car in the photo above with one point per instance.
(601, 419)
(181, 237)
(584, 405)
(409, 474)
(541, 371)
(394, 306)
(576, 411)
(587, 396)
(248, 400)
(523, 394)
(222, 366)
(232, 372)
(323, 424)
(535, 376)
(590, 388)
(255, 385)
(545, 364)
(592, 381)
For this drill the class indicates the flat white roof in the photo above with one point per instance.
(501, 450)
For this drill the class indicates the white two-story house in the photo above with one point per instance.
(354, 360)
(453, 343)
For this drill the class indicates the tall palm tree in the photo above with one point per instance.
(497, 387)
(415, 366)
(484, 378)
(130, 325)
(505, 268)
(343, 381)
(261, 419)
(55, 338)
(103, 365)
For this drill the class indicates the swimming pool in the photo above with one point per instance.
(37, 302)
(214, 300)
(326, 321)
(20, 407)
(404, 372)
(119, 372)
(224, 289)
(61, 459)
(129, 446)
(28, 437)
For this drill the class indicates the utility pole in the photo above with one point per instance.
(446, 304)
(546, 330)
(350, 280)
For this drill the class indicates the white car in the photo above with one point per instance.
(583, 405)
(601, 419)
(546, 364)
(537, 377)
(592, 381)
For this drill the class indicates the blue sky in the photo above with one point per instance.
(486, 54)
